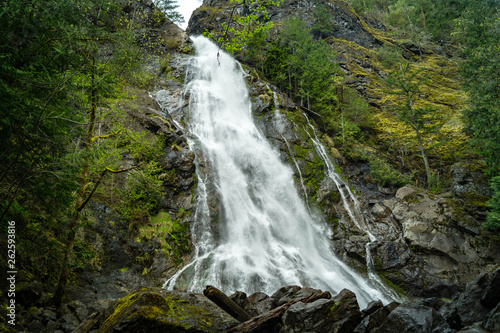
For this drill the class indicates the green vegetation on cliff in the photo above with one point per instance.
(318, 61)
(65, 140)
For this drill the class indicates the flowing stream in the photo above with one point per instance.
(265, 237)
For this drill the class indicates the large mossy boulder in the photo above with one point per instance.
(156, 310)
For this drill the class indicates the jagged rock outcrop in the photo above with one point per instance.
(344, 21)
(478, 303)
(440, 247)
(156, 310)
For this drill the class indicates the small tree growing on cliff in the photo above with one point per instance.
(169, 8)
(408, 83)
(239, 30)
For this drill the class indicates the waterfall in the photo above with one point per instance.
(265, 237)
(280, 128)
(351, 205)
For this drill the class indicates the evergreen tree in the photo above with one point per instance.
(408, 83)
(308, 68)
(479, 30)
(238, 31)
(37, 67)
(169, 8)
(62, 62)
(323, 26)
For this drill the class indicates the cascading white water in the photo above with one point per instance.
(266, 237)
(281, 127)
(351, 205)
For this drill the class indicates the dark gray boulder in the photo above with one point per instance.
(256, 304)
(339, 314)
(414, 318)
(476, 302)
(476, 328)
(492, 322)
(375, 319)
(292, 293)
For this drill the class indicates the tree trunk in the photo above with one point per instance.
(423, 15)
(424, 157)
(63, 279)
(268, 320)
(226, 304)
(89, 322)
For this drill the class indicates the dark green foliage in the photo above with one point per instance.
(60, 60)
(140, 197)
(493, 219)
(479, 30)
(37, 65)
(323, 25)
(169, 8)
(480, 33)
(35, 49)
(441, 16)
(256, 54)
(302, 67)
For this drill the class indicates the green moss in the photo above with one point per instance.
(392, 285)
(165, 310)
(335, 306)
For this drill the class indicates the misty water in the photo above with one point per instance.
(265, 237)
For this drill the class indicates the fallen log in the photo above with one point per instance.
(226, 304)
(270, 319)
(89, 322)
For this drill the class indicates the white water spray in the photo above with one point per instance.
(265, 237)
(281, 127)
(351, 205)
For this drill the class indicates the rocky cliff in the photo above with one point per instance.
(427, 244)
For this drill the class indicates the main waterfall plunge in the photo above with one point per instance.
(265, 237)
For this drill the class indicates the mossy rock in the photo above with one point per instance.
(157, 310)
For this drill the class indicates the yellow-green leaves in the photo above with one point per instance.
(240, 29)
